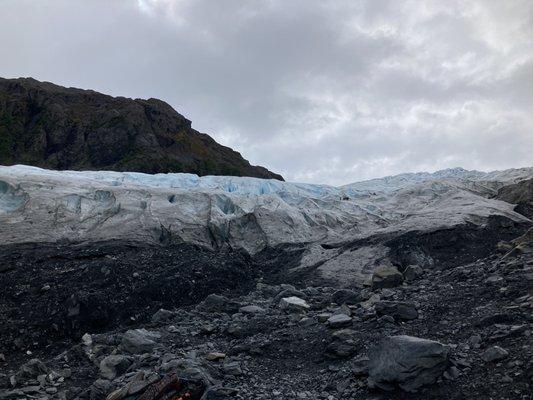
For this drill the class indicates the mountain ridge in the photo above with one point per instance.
(55, 127)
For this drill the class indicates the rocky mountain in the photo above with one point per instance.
(50, 126)
(124, 285)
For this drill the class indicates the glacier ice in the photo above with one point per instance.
(251, 213)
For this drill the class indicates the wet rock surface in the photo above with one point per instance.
(231, 326)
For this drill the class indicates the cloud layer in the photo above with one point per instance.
(325, 92)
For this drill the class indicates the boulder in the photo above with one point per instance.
(412, 273)
(343, 344)
(396, 309)
(163, 316)
(215, 303)
(293, 304)
(113, 366)
(386, 277)
(345, 296)
(494, 353)
(407, 361)
(139, 341)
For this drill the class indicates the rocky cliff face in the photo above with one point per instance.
(50, 126)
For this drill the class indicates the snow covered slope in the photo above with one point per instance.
(40, 205)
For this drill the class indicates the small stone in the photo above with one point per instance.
(251, 309)
(493, 280)
(339, 321)
(214, 356)
(475, 341)
(293, 304)
(87, 340)
(232, 368)
(452, 373)
(323, 317)
(46, 287)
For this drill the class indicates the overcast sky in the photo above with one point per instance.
(319, 91)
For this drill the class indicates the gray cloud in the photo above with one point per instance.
(319, 91)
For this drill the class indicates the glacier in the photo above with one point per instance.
(43, 206)
(38, 205)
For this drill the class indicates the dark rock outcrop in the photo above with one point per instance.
(49, 126)
(521, 194)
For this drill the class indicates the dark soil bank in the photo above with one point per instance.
(52, 292)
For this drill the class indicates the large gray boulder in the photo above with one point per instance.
(408, 362)
(139, 341)
(114, 365)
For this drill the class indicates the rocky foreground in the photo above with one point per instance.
(459, 330)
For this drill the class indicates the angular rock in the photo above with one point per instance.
(232, 368)
(339, 321)
(293, 304)
(214, 356)
(396, 309)
(215, 303)
(251, 309)
(162, 315)
(386, 277)
(494, 353)
(139, 341)
(408, 361)
(412, 273)
(323, 317)
(343, 344)
(113, 366)
(345, 296)
(289, 292)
